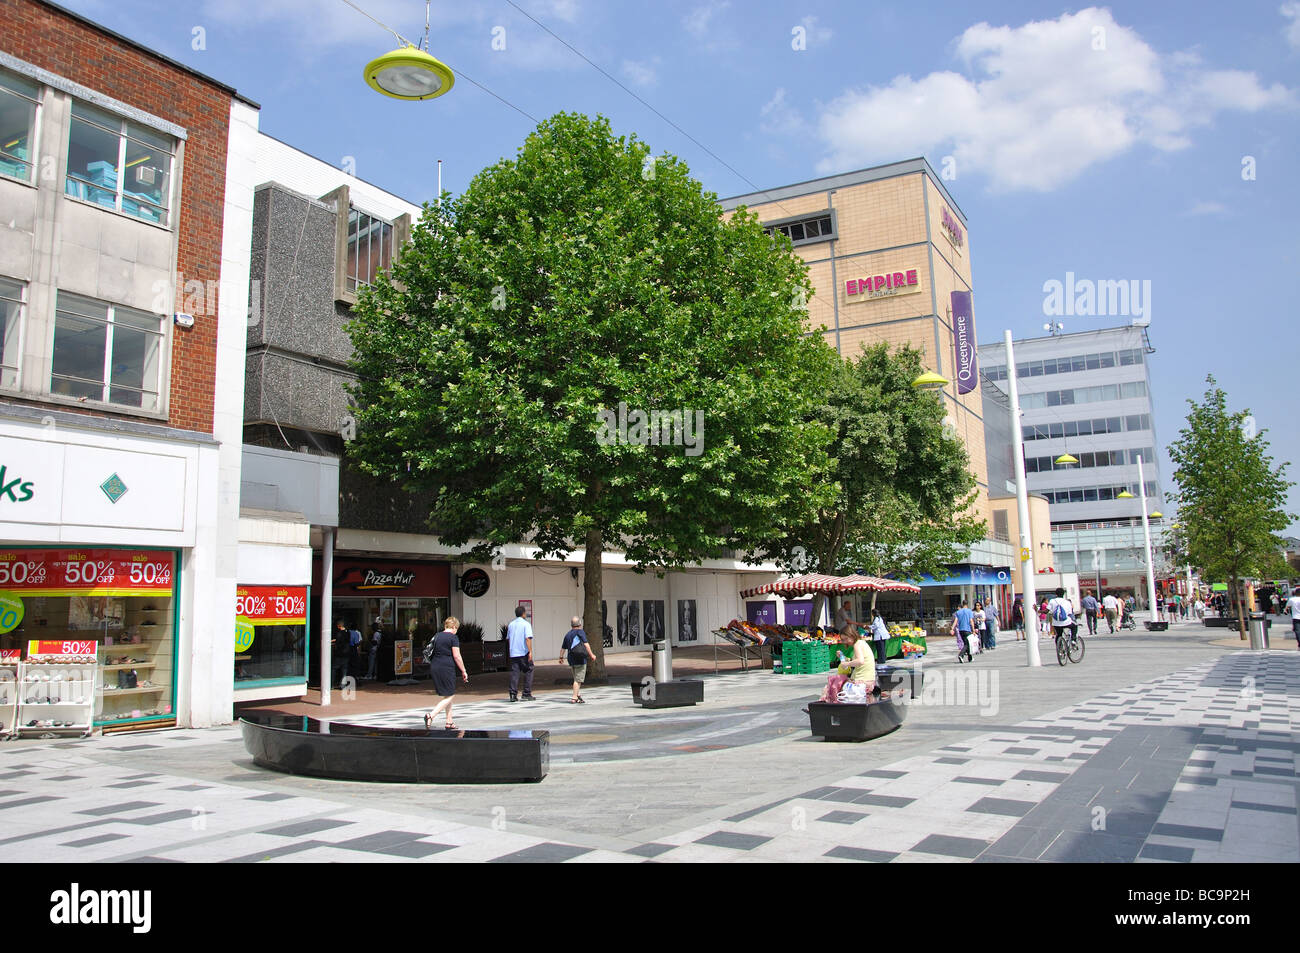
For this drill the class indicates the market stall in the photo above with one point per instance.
(905, 640)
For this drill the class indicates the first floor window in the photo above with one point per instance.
(19, 99)
(119, 164)
(11, 323)
(370, 248)
(107, 353)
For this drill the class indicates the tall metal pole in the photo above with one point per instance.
(326, 613)
(1022, 511)
(1146, 540)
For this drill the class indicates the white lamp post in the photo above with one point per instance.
(1146, 539)
(1022, 510)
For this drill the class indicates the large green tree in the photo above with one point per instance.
(582, 276)
(905, 490)
(1231, 496)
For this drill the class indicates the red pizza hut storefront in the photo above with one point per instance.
(400, 594)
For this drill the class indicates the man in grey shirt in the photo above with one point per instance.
(843, 623)
(1090, 610)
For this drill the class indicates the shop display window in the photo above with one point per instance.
(123, 600)
(271, 633)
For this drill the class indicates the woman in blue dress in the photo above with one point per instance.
(444, 661)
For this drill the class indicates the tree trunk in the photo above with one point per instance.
(592, 622)
(1241, 609)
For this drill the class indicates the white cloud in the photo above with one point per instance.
(334, 24)
(817, 35)
(699, 22)
(1041, 103)
(642, 73)
(1207, 208)
(1291, 11)
(780, 119)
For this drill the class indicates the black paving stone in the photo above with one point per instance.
(884, 800)
(303, 828)
(842, 817)
(1031, 775)
(547, 853)
(991, 782)
(861, 854)
(1181, 855)
(1185, 830)
(649, 850)
(950, 846)
(97, 839)
(1004, 807)
(733, 840)
(1273, 808)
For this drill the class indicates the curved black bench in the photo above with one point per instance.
(332, 749)
(850, 722)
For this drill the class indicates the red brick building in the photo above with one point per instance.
(128, 179)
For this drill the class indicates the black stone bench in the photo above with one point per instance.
(891, 678)
(849, 722)
(677, 693)
(325, 749)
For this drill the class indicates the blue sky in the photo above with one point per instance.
(1145, 141)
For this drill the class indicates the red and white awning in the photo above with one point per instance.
(816, 582)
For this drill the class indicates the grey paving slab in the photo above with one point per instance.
(1003, 806)
(543, 854)
(950, 846)
(865, 855)
(303, 828)
(733, 840)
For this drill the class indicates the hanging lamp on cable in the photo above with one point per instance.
(409, 72)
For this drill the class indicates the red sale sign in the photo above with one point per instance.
(81, 647)
(272, 605)
(87, 572)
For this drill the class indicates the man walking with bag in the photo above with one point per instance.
(576, 650)
(520, 636)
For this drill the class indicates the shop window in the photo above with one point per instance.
(271, 640)
(123, 600)
(106, 353)
(1090, 495)
(119, 164)
(19, 99)
(1107, 359)
(11, 323)
(1092, 362)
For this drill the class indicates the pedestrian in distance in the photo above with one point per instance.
(341, 647)
(1090, 612)
(879, 636)
(1293, 607)
(1018, 617)
(1110, 607)
(963, 620)
(443, 655)
(977, 627)
(991, 622)
(1042, 617)
(576, 650)
(1061, 612)
(520, 636)
(376, 640)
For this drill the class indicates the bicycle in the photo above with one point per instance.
(1069, 646)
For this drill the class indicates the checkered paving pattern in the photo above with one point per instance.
(1198, 765)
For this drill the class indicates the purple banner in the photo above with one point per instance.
(761, 613)
(963, 334)
(798, 613)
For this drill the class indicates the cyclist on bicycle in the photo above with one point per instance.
(1060, 612)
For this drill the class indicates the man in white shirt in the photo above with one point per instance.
(520, 636)
(1110, 606)
(1063, 620)
(1293, 607)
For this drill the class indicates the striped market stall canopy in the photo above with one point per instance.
(804, 585)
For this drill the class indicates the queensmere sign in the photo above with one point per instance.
(963, 334)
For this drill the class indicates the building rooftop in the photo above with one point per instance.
(844, 180)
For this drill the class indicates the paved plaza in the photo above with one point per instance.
(1157, 748)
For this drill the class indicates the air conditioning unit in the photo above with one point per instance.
(145, 175)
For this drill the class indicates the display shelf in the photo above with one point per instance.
(33, 674)
(127, 665)
(118, 692)
(8, 698)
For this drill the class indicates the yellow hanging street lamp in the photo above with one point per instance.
(409, 73)
(930, 381)
(1124, 495)
(1067, 459)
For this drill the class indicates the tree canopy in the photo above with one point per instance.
(904, 482)
(1231, 496)
(532, 319)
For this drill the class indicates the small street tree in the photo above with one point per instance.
(905, 487)
(580, 353)
(1230, 495)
